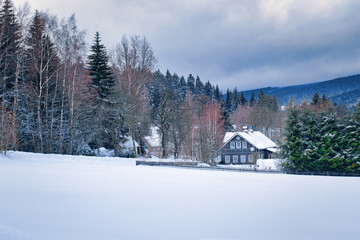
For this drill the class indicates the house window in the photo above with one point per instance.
(238, 145)
(243, 158)
(251, 158)
(235, 159)
(232, 145)
(244, 144)
(227, 159)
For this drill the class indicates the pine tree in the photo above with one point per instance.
(293, 150)
(324, 99)
(227, 122)
(103, 82)
(315, 99)
(234, 100)
(228, 102)
(273, 103)
(9, 66)
(209, 90)
(100, 73)
(252, 101)
(309, 140)
(242, 100)
(262, 99)
(351, 140)
(9, 46)
(191, 83)
(183, 88)
(182, 82)
(175, 81)
(218, 95)
(199, 86)
(329, 144)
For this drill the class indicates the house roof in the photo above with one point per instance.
(256, 138)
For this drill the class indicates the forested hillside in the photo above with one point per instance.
(342, 91)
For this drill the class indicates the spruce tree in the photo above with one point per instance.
(273, 103)
(100, 73)
(9, 46)
(309, 135)
(234, 100)
(351, 140)
(252, 101)
(209, 90)
(199, 86)
(218, 95)
(183, 86)
(324, 99)
(228, 102)
(227, 122)
(262, 99)
(191, 83)
(103, 82)
(315, 99)
(182, 82)
(242, 100)
(329, 144)
(293, 150)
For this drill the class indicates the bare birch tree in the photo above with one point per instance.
(133, 61)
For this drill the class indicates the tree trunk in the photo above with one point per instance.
(61, 139)
(72, 112)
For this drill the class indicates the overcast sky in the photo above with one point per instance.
(243, 43)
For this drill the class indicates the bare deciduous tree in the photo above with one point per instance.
(211, 132)
(71, 48)
(133, 62)
(241, 117)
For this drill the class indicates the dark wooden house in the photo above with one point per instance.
(245, 148)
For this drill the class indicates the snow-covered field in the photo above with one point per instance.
(53, 197)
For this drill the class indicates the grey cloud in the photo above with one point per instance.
(250, 43)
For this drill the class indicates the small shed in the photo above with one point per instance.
(153, 142)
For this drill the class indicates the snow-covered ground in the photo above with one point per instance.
(53, 197)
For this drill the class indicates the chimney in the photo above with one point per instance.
(245, 128)
(251, 129)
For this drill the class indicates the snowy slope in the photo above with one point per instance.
(53, 197)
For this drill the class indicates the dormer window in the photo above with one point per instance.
(238, 145)
(244, 144)
(232, 145)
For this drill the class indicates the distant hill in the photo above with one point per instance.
(342, 91)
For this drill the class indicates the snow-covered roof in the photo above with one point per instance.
(273, 149)
(154, 139)
(256, 138)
